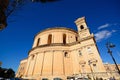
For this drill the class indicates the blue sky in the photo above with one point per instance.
(102, 16)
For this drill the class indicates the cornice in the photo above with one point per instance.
(61, 44)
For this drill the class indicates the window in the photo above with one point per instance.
(81, 27)
(38, 41)
(89, 49)
(33, 57)
(80, 53)
(76, 38)
(108, 69)
(64, 38)
(66, 54)
(94, 67)
(83, 65)
(50, 39)
(83, 68)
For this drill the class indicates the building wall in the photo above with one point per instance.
(111, 67)
(22, 68)
(57, 36)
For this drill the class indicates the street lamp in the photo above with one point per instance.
(110, 45)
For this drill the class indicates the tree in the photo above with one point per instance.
(0, 63)
(7, 73)
(10, 73)
(7, 7)
(3, 6)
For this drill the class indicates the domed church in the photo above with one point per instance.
(62, 53)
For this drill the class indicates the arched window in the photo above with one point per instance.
(66, 54)
(81, 27)
(38, 41)
(80, 53)
(50, 39)
(95, 67)
(76, 38)
(64, 38)
(89, 49)
(32, 57)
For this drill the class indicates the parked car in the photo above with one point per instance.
(15, 79)
(82, 79)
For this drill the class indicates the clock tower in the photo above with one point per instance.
(83, 30)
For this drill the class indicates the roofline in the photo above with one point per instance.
(23, 59)
(56, 28)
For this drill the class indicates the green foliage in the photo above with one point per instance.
(7, 7)
(0, 63)
(7, 73)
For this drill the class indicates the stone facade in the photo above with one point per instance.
(112, 70)
(59, 53)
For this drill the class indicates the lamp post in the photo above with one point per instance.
(110, 45)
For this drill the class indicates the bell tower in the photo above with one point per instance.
(82, 28)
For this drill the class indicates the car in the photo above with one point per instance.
(15, 79)
(1, 78)
(82, 79)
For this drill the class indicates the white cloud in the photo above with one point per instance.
(103, 34)
(104, 26)
(113, 30)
